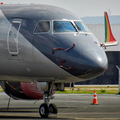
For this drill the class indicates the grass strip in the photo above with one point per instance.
(84, 91)
(1, 90)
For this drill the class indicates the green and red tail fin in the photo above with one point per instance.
(109, 38)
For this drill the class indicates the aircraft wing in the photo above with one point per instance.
(109, 38)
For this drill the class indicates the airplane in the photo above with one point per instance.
(41, 48)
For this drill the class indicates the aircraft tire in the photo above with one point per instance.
(53, 108)
(44, 110)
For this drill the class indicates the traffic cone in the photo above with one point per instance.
(95, 102)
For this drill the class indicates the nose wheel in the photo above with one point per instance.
(52, 108)
(45, 109)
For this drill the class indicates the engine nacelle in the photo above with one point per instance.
(22, 90)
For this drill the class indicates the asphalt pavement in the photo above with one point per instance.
(70, 107)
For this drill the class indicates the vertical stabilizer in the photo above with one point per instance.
(109, 38)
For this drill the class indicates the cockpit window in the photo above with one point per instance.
(63, 26)
(42, 26)
(81, 26)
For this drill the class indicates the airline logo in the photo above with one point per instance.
(108, 33)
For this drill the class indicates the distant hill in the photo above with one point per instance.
(100, 20)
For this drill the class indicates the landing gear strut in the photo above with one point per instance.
(46, 107)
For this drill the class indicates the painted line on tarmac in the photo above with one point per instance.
(91, 113)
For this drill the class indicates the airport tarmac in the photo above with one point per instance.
(70, 107)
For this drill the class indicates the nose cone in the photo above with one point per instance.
(96, 62)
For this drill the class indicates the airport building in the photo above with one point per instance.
(113, 53)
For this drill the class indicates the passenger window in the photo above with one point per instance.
(42, 26)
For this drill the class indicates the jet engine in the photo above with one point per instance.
(22, 90)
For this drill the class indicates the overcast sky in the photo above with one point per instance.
(81, 8)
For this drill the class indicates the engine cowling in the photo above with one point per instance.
(22, 90)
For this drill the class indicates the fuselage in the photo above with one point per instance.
(34, 46)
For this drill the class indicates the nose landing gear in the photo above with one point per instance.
(46, 108)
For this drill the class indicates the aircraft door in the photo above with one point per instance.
(12, 37)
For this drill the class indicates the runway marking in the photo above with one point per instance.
(92, 113)
(75, 118)
(94, 118)
(66, 109)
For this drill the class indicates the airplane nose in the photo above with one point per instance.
(96, 61)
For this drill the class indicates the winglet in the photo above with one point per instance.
(109, 38)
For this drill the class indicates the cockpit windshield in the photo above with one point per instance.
(63, 26)
(81, 26)
(69, 26)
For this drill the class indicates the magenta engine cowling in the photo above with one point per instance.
(22, 90)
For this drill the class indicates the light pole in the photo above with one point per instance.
(118, 78)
